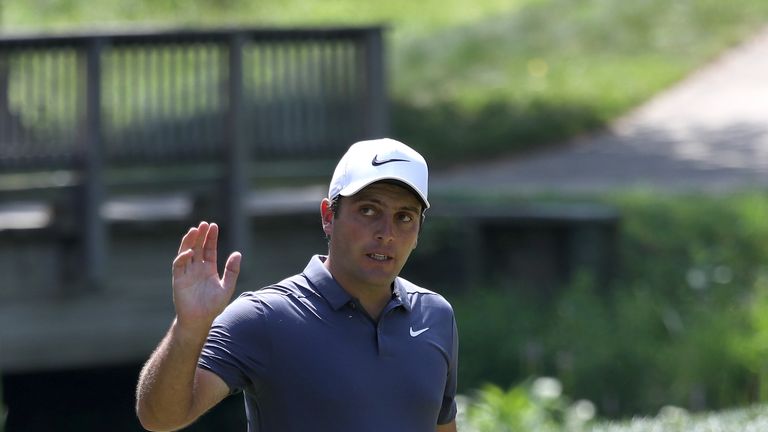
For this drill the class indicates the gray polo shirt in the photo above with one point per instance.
(308, 358)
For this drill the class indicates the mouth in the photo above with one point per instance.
(379, 257)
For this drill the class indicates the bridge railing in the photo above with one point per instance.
(231, 98)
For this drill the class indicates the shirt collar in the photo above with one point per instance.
(334, 294)
(324, 283)
(401, 295)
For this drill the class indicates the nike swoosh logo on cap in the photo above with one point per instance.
(417, 332)
(377, 162)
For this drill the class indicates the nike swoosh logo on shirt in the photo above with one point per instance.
(417, 332)
(377, 162)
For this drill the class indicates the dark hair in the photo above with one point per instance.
(336, 205)
(335, 208)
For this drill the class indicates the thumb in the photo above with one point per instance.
(231, 271)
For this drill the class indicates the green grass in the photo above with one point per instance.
(555, 69)
(406, 17)
(474, 79)
(675, 420)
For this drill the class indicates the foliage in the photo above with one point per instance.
(535, 406)
(475, 79)
(539, 406)
(407, 18)
(672, 419)
(685, 319)
(523, 79)
(709, 271)
(682, 322)
(2, 409)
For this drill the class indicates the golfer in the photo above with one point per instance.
(344, 346)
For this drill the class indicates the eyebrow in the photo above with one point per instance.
(364, 198)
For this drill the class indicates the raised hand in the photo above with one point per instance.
(199, 295)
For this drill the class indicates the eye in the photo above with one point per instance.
(405, 217)
(367, 211)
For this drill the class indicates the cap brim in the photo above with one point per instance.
(357, 186)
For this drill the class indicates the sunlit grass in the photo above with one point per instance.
(473, 79)
(554, 69)
(403, 16)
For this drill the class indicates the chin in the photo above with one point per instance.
(380, 279)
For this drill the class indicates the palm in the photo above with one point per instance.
(198, 289)
(198, 293)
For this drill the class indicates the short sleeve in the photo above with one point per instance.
(448, 408)
(238, 347)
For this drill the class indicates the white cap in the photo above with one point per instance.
(367, 162)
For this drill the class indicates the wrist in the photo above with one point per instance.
(190, 330)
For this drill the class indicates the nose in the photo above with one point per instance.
(386, 230)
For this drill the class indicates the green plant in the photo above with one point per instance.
(674, 419)
(2, 409)
(682, 322)
(522, 79)
(484, 357)
(536, 405)
(752, 345)
(697, 261)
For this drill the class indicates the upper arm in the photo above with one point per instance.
(448, 427)
(209, 390)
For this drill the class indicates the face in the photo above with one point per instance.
(372, 236)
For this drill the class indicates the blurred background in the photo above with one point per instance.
(598, 168)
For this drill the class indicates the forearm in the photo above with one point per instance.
(448, 427)
(165, 394)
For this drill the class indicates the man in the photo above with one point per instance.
(344, 346)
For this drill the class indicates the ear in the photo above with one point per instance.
(327, 216)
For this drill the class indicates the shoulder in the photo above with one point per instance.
(420, 297)
(265, 301)
(429, 309)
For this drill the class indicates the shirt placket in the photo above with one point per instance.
(385, 331)
(380, 328)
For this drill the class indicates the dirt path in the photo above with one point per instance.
(708, 133)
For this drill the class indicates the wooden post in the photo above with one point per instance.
(93, 188)
(235, 232)
(5, 110)
(377, 103)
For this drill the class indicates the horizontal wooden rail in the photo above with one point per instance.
(229, 98)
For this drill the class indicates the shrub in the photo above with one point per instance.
(537, 405)
(673, 419)
(683, 322)
(2, 409)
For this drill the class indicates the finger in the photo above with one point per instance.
(202, 231)
(188, 240)
(181, 262)
(231, 271)
(209, 247)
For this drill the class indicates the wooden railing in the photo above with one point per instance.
(89, 104)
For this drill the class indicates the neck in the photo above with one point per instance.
(373, 298)
(374, 304)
